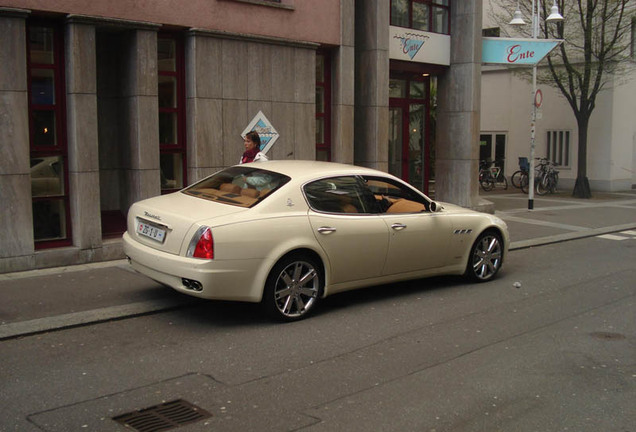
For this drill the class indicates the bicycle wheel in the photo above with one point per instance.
(515, 179)
(502, 181)
(543, 185)
(486, 183)
(523, 183)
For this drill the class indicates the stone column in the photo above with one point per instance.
(459, 96)
(372, 84)
(83, 151)
(16, 218)
(141, 117)
(343, 83)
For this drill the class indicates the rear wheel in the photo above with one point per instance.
(515, 179)
(293, 288)
(486, 257)
(486, 182)
(543, 185)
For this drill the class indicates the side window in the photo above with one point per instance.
(394, 197)
(340, 195)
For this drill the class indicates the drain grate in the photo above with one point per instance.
(163, 417)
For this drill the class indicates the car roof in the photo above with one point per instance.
(301, 170)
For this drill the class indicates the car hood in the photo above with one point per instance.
(176, 213)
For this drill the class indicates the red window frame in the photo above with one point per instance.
(178, 147)
(58, 108)
(324, 145)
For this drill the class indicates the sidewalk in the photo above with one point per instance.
(48, 299)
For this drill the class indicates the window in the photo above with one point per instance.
(323, 107)
(426, 15)
(558, 150)
(341, 195)
(47, 136)
(172, 138)
(238, 186)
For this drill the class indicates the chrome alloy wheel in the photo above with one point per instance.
(486, 257)
(294, 288)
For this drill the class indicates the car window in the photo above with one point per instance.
(239, 186)
(348, 194)
(395, 197)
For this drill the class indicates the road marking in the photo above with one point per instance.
(623, 235)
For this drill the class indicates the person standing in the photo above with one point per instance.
(252, 152)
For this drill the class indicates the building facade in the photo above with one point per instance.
(106, 104)
(506, 111)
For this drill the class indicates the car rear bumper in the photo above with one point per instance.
(218, 279)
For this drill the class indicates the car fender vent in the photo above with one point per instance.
(169, 415)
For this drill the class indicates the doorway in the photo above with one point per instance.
(409, 129)
(492, 147)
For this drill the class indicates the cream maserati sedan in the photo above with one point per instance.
(288, 233)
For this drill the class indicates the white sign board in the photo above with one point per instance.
(266, 131)
(419, 46)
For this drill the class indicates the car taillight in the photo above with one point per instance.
(202, 244)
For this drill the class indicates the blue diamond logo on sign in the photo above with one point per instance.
(266, 131)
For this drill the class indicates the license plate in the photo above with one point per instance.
(151, 231)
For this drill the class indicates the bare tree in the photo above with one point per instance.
(596, 50)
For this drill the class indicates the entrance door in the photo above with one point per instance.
(492, 147)
(409, 137)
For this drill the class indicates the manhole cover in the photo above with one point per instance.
(163, 417)
(607, 336)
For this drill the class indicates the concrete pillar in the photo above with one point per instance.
(16, 219)
(141, 117)
(83, 151)
(372, 89)
(459, 95)
(343, 83)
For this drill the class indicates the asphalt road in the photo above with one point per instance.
(548, 346)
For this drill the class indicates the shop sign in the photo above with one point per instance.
(516, 51)
(418, 46)
(266, 131)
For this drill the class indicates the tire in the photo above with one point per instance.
(485, 181)
(515, 179)
(543, 185)
(523, 183)
(502, 181)
(293, 288)
(486, 257)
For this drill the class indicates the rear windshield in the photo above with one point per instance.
(238, 186)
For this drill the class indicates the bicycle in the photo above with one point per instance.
(491, 175)
(547, 177)
(515, 179)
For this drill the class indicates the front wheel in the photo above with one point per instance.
(523, 183)
(486, 257)
(293, 288)
(543, 185)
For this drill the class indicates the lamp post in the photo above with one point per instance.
(517, 19)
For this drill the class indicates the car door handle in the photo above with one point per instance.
(398, 226)
(326, 230)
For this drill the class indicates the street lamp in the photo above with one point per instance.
(517, 19)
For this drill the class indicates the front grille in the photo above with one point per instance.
(166, 416)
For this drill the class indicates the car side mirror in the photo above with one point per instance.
(435, 207)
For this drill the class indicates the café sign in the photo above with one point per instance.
(514, 52)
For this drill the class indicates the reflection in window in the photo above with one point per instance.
(425, 15)
(171, 171)
(41, 45)
(47, 176)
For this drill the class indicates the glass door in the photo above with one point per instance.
(409, 137)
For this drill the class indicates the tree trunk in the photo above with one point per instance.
(582, 185)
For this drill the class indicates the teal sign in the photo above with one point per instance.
(516, 51)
